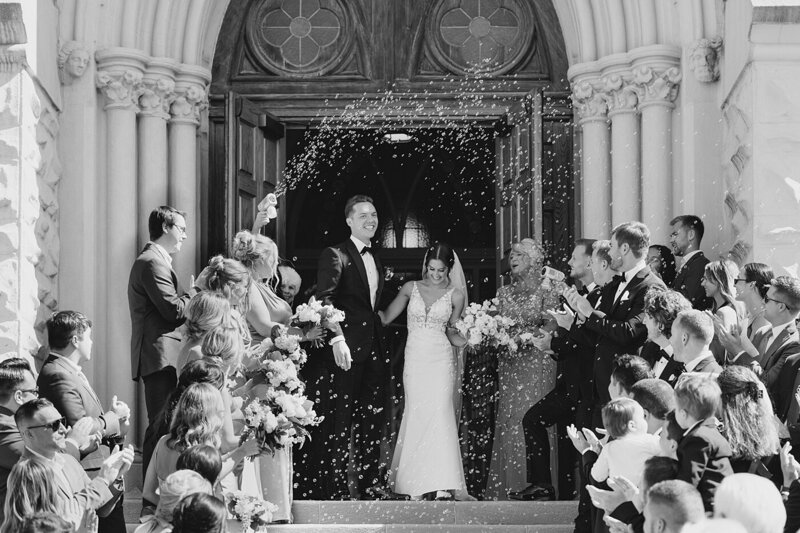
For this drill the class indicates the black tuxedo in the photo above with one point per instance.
(349, 400)
(622, 329)
(566, 404)
(704, 459)
(687, 281)
(652, 353)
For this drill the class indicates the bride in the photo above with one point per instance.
(427, 458)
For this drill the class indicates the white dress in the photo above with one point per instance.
(427, 456)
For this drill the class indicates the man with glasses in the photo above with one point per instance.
(18, 386)
(156, 306)
(44, 435)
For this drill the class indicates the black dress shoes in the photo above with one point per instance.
(543, 493)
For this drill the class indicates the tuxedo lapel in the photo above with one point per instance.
(783, 337)
(637, 279)
(359, 262)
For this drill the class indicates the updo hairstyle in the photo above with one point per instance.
(250, 248)
(228, 277)
(205, 311)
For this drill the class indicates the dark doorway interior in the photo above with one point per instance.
(437, 186)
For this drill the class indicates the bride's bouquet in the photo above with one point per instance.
(253, 512)
(482, 325)
(315, 313)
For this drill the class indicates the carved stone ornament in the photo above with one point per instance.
(657, 87)
(299, 37)
(155, 97)
(704, 59)
(121, 88)
(188, 103)
(481, 36)
(620, 94)
(73, 60)
(589, 103)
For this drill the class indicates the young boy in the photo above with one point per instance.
(703, 453)
(656, 398)
(627, 370)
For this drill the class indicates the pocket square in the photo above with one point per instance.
(624, 297)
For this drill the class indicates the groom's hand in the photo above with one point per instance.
(341, 352)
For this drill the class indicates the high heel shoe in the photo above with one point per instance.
(444, 496)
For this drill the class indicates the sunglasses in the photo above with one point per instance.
(768, 299)
(55, 425)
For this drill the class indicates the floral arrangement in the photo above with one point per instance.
(483, 326)
(279, 419)
(282, 346)
(251, 511)
(315, 313)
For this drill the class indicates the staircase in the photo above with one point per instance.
(403, 516)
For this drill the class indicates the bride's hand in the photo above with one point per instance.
(382, 316)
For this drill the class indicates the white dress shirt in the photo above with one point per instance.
(661, 364)
(370, 267)
(629, 274)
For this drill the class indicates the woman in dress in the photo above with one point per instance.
(719, 283)
(427, 457)
(662, 263)
(205, 311)
(524, 378)
(265, 311)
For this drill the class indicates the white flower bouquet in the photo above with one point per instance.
(282, 346)
(483, 326)
(279, 419)
(253, 512)
(315, 313)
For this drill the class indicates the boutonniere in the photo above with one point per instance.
(625, 296)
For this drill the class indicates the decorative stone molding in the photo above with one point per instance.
(121, 88)
(73, 60)
(590, 103)
(656, 88)
(620, 94)
(704, 59)
(155, 97)
(191, 95)
(12, 59)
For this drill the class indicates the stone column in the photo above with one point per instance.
(625, 187)
(119, 77)
(596, 161)
(156, 95)
(191, 97)
(657, 93)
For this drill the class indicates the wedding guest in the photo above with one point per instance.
(670, 436)
(200, 513)
(752, 501)
(42, 429)
(626, 371)
(618, 320)
(231, 279)
(46, 523)
(671, 505)
(660, 309)
(62, 381)
(156, 307)
(525, 378)
(662, 263)
(656, 398)
(656, 470)
(204, 312)
(715, 525)
(746, 347)
(569, 400)
(687, 232)
(290, 284)
(176, 486)
(32, 490)
(197, 420)
(719, 283)
(691, 336)
(703, 453)
(748, 421)
(206, 461)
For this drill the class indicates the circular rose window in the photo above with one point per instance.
(298, 36)
(481, 36)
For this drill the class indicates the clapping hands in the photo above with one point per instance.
(117, 464)
(579, 302)
(84, 435)
(789, 465)
(564, 318)
(584, 439)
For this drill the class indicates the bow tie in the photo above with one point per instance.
(365, 250)
(620, 278)
(582, 291)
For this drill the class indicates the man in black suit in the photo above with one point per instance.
(692, 332)
(687, 232)
(62, 381)
(567, 346)
(618, 319)
(17, 387)
(156, 308)
(347, 379)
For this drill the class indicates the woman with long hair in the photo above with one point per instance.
(662, 263)
(204, 312)
(523, 378)
(198, 419)
(748, 421)
(719, 283)
(427, 458)
(32, 489)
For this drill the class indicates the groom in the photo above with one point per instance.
(346, 379)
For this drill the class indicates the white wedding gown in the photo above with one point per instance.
(427, 456)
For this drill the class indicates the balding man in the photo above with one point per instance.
(670, 505)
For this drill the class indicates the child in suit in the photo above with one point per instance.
(703, 453)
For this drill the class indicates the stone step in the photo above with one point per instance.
(403, 528)
(386, 514)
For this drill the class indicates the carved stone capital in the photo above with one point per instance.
(704, 59)
(73, 60)
(656, 87)
(189, 101)
(12, 59)
(120, 87)
(155, 97)
(590, 104)
(620, 94)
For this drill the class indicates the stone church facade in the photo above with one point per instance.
(109, 108)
